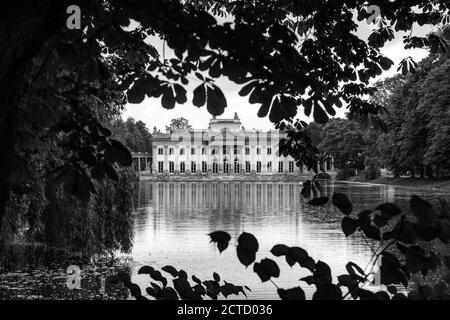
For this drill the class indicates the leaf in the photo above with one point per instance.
(310, 280)
(391, 271)
(75, 182)
(199, 289)
(366, 295)
(135, 291)
(382, 295)
(264, 109)
(199, 98)
(341, 201)
(229, 289)
(355, 271)
(171, 270)
(399, 296)
(196, 280)
(300, 256)
(116, 152)
(145, 270)
(407, 233)
(151, 292)
(222, 239)
(349, 226)
(247, 248)
(182, 274)
(385, 63)
(247, 88)
(156, 275)
(364, 219)
(348, 281)
(322, 273)
(392, 289)
(183, 288)
(372, 232)
(390, 209)
(320, 116)
(280, 250)
(168, 98)
(266, 269)
(168, 294)
(318, 201)
(180, 92)
(216, 277)
(216, 102)
(380, 221)
(137, 92)
(423, 210)
(306, 190)
(328, 292)
(291, 294)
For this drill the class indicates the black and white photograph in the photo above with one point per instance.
(238, 152)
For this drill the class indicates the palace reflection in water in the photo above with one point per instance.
(175, 218)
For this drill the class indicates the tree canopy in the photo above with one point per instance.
(179, 124)
(285, 54)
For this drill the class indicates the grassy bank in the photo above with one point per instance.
(442, 184)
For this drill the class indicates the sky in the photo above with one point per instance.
(153, 114)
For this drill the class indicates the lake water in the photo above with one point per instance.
(175, 218)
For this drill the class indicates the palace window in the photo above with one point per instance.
(247, 151)
(235, 149)
(291, 166)
(224, 149)
(258, 166)
(193, 167)
(280, 167)
(215, 167)
(203, 151)
(160, 166)
(248, 167)
(170, 150)
(204, 167)
(258, 150)
(160, 151)
(226, 167)
(236, 166)
(213, 150)
(269, 151)
(269, 166)
(247, 141)
(171, 167)
(182, 151)
(182, 167)
(192, 150)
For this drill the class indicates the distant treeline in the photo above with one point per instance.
(412, 136)
(133, 134)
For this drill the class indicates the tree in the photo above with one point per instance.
(344, 140)
(133, 134)
(307, 56)
(435, 97)
(415, 116)
(178, 124)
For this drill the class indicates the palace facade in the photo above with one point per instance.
(224, 148)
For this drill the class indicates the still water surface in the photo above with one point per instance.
(174, 219)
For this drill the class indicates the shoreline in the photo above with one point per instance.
(441, 184)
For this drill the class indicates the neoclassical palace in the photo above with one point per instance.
(225, 148)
